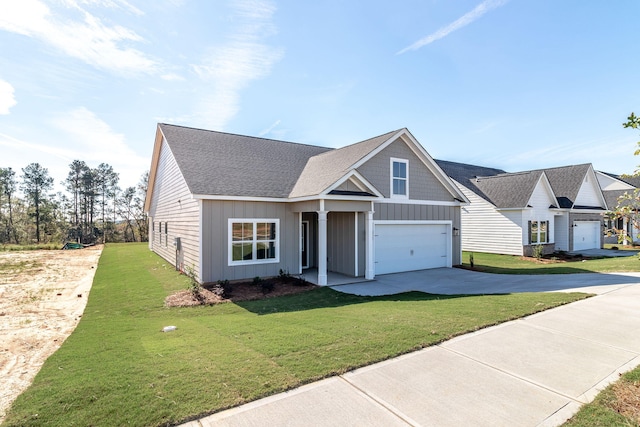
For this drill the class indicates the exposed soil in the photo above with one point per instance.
(42, 297)
(241, 291)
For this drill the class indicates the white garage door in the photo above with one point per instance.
(586, 235)
(407, 247)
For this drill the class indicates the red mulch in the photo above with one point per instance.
(243, 291)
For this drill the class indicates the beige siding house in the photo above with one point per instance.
(236, 207)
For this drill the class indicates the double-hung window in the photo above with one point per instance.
(538, 232)
(399, 178)
(254, 241)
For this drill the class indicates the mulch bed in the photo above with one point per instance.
(242, 291)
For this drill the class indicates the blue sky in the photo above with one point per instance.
(513, 84)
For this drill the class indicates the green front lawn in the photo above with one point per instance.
(512, 264)
(118, 368)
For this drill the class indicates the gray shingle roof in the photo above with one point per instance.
(466, 175)
(223, 164)
(325, 169)
(217, 163)
(611, 197)
(566, 182)
(509, 190)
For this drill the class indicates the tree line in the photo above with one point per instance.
(93, 209)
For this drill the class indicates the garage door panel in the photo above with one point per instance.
(407, 247)
(586, 235)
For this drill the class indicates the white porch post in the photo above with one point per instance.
(370, 263)
(625, 227)
(300, 242)
(322, 248)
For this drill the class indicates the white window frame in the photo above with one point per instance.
(393, 160)
(254, 241)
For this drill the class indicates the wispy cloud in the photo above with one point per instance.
(7, 99)
(231, 67)
(459, 23)
(270, 129)
(87, 39)
(91, 139)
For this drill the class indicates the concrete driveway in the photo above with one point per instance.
(535, 371)
(457, 281)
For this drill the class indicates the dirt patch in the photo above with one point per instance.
(42, 297)
(242, 291)
(627, 401)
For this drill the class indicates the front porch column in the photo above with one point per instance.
(625, 227)
(322, 248)
(369, 272)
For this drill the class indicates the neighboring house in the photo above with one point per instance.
(614, 187)
(510, 213)
(236, 207)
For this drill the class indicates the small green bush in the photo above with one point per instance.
(537, 251)
(193, 286)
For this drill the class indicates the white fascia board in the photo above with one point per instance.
(420, 202)
(595, 183)
(353, 173)
(284, 199)
(545, 182)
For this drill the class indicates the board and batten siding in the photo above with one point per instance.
(172, 204)
(341, 245)
(215, 239)
(416, 212)
(485, 229)
(423, 184)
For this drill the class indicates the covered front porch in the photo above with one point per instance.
(336, 240)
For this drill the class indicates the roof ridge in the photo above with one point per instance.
(246, 136)
(359, 142)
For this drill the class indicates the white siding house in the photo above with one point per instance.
(510, 213)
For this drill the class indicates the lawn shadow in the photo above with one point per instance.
(324, 297)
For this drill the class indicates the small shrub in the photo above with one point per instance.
(266, 286)
(471, 262)
(299, 281)
(614, 248)
(193, 286)
(284, 276)
(537, 251)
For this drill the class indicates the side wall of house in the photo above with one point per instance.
(173, 213)
(415, 212)
(215, 239)
(484, 229)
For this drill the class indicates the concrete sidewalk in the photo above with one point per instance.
(535, 371)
